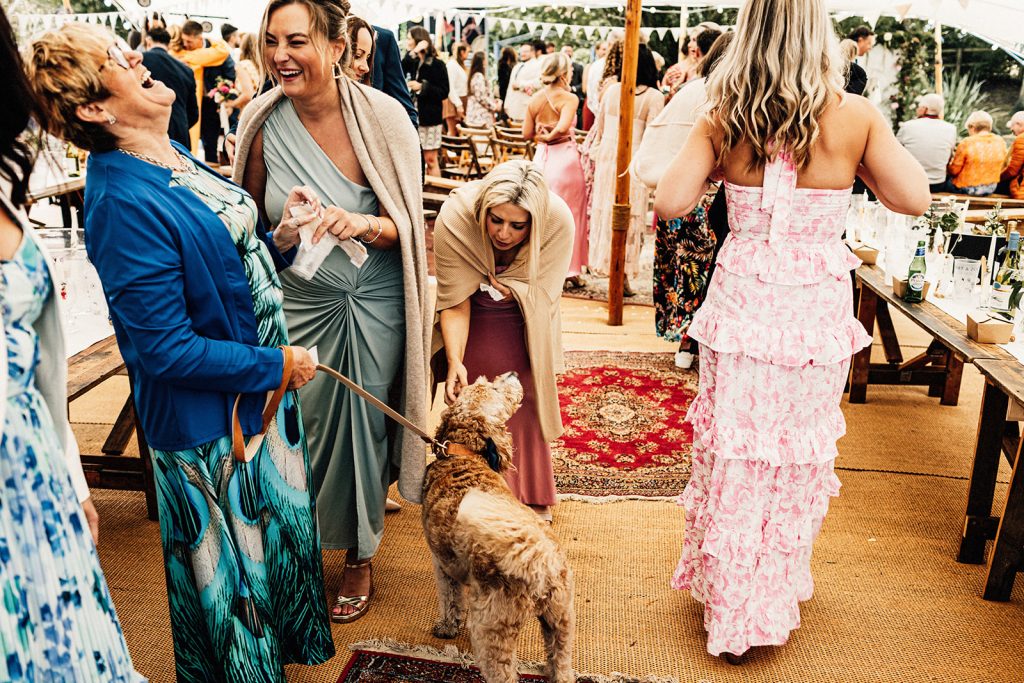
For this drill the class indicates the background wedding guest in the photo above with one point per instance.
(550, 118)
(428, 81)
(348, 147)
(506, 63)
(978, 160)
(175, 75)
(362, 48)
(481, 107)
(387, 71)
(247, 74)
(929, 139)
(1013, 174)
(48, 522)
(856, 76)
(196, 307)
(776, 330)
(592, 74)
(458, 88)
(510, 232)
(523, 81)
(648, 104)
(210, 60)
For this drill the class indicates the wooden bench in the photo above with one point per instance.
(113, 469)
(1004, 379)
(988, 202)
(940, 367)
(68, 194)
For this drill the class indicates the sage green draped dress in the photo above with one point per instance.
(355, 317)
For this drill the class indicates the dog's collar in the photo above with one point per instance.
(448, 449)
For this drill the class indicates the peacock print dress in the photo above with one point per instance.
(241, 543)
(776, 334)
(57, 621)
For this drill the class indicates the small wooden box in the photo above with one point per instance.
(868, 255)
(899, 287)
(984, 329)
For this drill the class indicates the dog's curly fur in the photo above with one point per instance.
(485, 540)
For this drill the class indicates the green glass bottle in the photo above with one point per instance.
(915, 277)
(1007, 273)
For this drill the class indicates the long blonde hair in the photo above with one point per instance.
(520, 183)
(780, 74)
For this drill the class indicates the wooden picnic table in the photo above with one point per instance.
(68, 193)
(940, 367)
(980, 202)
(1004, 380)
(978, 216)
(88, 369)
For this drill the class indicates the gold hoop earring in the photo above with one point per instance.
(337, 71)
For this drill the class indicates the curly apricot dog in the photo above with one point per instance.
(485, 540)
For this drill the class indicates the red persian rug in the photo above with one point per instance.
(625, 432)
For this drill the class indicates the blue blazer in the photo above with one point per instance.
(180, 303)
(388, 76)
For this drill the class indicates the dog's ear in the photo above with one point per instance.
(492, 456)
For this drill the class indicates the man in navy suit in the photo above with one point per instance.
(387, 71)
(179, 78)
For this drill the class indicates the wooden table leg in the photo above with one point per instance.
(862, 359)
(890, 344)
(1008, 553)
(954, 373)
(148, 481)
(121, 433)
(981, 489)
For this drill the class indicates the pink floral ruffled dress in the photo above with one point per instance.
(776, 333)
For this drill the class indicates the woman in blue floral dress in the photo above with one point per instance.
(57, 621)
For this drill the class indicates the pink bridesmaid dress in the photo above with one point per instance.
(776, 334)
(563, 172)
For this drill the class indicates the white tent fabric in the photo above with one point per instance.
(997, 21)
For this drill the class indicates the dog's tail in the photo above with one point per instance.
(507, 536)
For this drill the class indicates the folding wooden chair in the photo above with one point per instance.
(458, 158)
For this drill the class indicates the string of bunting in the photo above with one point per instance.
(35, 22)
(559, 29)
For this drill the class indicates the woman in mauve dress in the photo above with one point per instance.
(550, 117)
(775, 332)
(502, 246)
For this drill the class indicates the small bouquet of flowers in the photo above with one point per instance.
(222, 93)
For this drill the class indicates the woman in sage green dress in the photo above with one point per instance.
(353, 153)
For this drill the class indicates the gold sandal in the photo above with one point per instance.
(361, 603)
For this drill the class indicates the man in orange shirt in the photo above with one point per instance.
(1011, 179)
(208, 59)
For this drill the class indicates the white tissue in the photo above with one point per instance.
(311, 256)
(495, 294)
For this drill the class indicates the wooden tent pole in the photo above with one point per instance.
(620, 210)
(938, 57)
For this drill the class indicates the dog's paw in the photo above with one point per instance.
(446, 630)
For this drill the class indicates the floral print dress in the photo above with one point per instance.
(683, 251)
(776, 335)
(57, 621)
(240, 541)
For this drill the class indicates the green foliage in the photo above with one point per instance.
(964, 94)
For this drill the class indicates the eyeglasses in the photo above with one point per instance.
(116, 54)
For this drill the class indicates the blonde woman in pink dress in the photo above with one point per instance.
(776, 331)
(550, 117)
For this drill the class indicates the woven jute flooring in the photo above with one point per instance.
(891, 603)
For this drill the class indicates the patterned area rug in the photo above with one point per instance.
(625, 433)
(596, 289)
(390, 662)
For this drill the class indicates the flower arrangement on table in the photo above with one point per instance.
(993, 224)
(223, 93)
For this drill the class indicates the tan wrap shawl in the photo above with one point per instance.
(464, 258)
(388, 150)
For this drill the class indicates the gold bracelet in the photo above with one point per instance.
(380, 231)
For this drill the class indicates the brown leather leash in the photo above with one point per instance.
(244, 452)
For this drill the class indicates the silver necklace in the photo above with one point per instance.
(183, 164)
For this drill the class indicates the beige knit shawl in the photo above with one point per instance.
(464, 258)
(388, 149)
